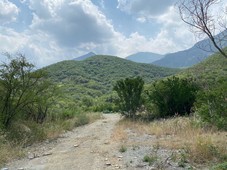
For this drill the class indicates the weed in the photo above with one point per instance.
(182, 159)
(149, 159)
(221, 166)
(201, 146)
(123, 149)
(8, 151)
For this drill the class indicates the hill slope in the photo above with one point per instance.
(95, 76)
(210, 72)
(144, 57)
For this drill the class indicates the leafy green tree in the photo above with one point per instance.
(129, 92)
(173, 96)
(20, 88)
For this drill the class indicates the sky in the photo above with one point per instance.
(49, 31)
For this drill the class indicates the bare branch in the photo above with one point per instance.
(197, 14)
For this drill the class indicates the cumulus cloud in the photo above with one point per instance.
(8, 12)
(162, 43)
(64, 29)
(72, 23)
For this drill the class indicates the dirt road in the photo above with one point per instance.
(85, 148)
(102, 145)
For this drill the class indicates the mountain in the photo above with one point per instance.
(95, 76)
(83, 57)
(184, 58)
(144, 57)
(191, 56)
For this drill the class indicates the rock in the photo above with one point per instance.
(141, 165)
(106, 142)
(5, 169)
(31, 155)
(47, 154)
(76, 145)
(120, 156)
(108, 164)
(20, 169)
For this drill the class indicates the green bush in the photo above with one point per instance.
(129, 92)
(221, 166)
(173, 96)
(211, 106)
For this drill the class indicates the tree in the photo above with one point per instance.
(20, 88)
(173, 96)
(129, 92)
(198, 15)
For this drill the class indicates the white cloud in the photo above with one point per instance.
(141, 19)
(160, 44)
(8, 12)
(72, 23)
(64, 29)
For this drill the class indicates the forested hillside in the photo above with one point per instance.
(95, 76)
(210, 72)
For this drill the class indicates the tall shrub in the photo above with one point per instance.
(173, 96)
(129, 92)
(211, 106)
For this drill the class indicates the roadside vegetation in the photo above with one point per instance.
(186, 112)
(29, 110)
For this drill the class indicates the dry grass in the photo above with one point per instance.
(54, 129)
(8, 152)
(201, 145)
(119, 134)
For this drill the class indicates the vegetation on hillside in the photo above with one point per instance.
(88, 84)
(211, 76)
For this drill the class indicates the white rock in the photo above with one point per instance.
(108, 163)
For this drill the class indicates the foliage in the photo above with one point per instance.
(129, 92)
(173, 96)
(221, 166)
(211, 106)
(211, 75)
(87, 83)
(21, 88)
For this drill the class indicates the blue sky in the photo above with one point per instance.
(48, 31)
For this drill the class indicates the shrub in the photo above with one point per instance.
(221, 166)
(173, 96)
(129, 92)
(211, 106)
